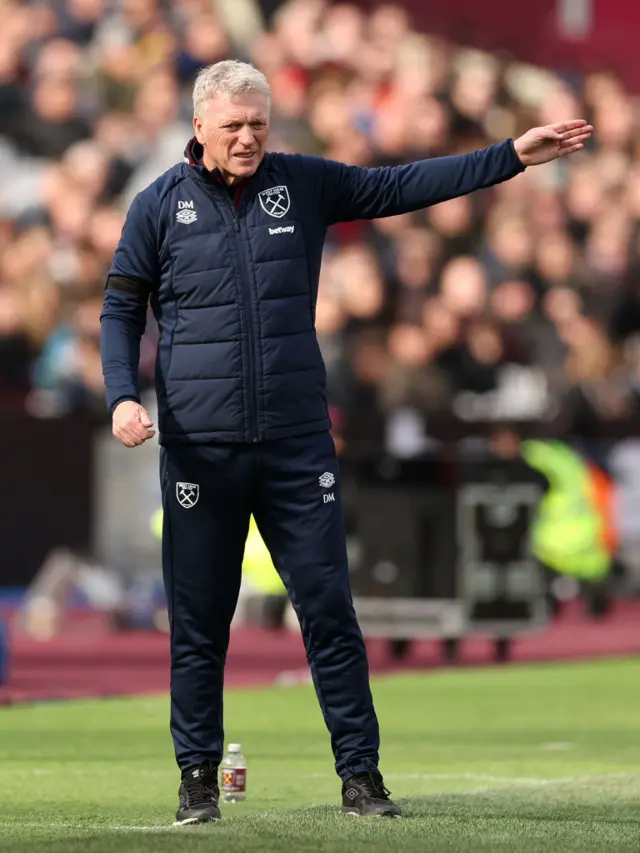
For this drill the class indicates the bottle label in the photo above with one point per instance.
(234, 780)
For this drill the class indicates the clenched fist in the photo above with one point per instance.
(131, 424)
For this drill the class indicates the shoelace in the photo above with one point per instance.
(373, 786)
(200, 789)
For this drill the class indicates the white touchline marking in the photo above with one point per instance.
(515, 780)
(504, 780)
(90, 827)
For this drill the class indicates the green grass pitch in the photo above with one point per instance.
(532, 759)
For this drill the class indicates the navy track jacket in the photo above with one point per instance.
(233, 284)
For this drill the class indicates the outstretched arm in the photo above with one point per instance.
(353, 192)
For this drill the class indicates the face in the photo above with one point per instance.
(233, 130)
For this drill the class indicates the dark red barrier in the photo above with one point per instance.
(45, 491)
(543, 32)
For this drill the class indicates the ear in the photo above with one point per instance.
(197, 126)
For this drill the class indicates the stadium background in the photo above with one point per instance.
(463, 344)
(510, 314)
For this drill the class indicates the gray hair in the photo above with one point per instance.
(228, 77)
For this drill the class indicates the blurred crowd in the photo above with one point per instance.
(516, 303)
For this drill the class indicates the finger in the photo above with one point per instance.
(145, 420)
(571, 149)
(140, 433)
(564, 126)
(548, 132)
(131, 436)
(126, 441)
(136, 426)
(575, 140)
(125, 438)
(578, 131)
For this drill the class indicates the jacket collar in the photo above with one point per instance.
(193, 154)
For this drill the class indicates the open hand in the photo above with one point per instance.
(543, 144)
(132, 424)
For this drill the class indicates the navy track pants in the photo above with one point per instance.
(209, 492)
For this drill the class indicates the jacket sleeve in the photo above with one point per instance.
(134, 274)
(354, 192)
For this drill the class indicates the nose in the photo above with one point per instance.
(246, 136)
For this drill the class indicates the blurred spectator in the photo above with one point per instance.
(522, 301)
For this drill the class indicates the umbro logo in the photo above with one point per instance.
(283, 229)
(186, 213)
(326, 480)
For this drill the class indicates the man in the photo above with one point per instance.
(227, 246)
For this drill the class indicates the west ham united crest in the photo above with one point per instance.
(275, 201)
(187, 494)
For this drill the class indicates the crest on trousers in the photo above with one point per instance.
(187, 494)
(275, 201)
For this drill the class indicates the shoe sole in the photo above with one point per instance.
(359, 814)
(192, 821)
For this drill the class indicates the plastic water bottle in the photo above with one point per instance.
(234, 775)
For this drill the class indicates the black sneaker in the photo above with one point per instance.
(199, 793)
(365, 795)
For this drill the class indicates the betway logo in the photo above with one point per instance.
(283, 229)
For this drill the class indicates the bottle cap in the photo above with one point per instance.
(235, 747)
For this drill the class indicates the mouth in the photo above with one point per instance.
(246, 155)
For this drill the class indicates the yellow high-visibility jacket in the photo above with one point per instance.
(257, 567)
